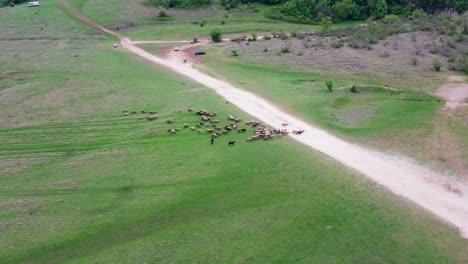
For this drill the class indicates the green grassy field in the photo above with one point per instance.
(81, 183)
(372, 111)
(137, 21)
(407, 122)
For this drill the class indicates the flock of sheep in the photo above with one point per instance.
(212, 126)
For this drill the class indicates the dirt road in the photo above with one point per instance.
(433, 192)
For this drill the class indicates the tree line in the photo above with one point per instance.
(309, 11)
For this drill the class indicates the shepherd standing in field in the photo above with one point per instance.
(212, 140)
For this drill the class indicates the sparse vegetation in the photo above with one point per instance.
(286, 48)
(413, 61)
(188, 4)
(353, 89)
(163, 16)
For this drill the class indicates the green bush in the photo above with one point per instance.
(254, 37)
(436, 64)
(329, 85)
(216, 35)
(345, 9)
(462, 65)
(326, 23)
(354, 89)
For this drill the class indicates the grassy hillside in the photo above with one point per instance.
(80, 182)
(139, 22)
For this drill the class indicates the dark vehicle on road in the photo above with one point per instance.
(200, 52)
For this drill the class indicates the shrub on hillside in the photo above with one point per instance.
(346, 9)
(162, 16)
(216, 35)
(436, 64)
(462, 65)
(336, 44)
(326, 23)
(354, 89)
(285, 49)
(329, 85)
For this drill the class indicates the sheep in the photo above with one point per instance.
(172, 131)
(170, 121)
(151, 118)
(193, 128)
(185, 125)
(125, 114)
(214, 135)
(199, 131)
(133, 112)
(177, 129)
(189, 110)
(143, 111)
(231, 117)
(209, 130)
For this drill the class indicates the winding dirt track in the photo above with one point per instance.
(433, 192)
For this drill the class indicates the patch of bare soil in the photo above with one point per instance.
(455, 92)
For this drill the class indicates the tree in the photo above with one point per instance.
(436, 64)
(329, 85)
(345, 9)
(380, 9)
(216, 35)
(326, 23)
(162, 13)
